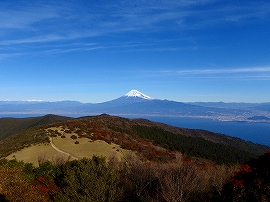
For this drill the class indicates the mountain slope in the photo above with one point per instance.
(10, 126)
(138, 94)
(150, 139)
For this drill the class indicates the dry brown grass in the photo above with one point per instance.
(178, 180)
(86, 148)
(34, 153)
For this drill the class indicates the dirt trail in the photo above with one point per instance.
(54, 147)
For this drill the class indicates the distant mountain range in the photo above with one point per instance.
(137, 103)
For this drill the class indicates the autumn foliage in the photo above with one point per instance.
(251, 182)
(135, 179)
(15, 187)
(155, 171)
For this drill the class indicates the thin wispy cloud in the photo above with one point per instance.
(252, 73)
(224, 71)
(173, 42)
(50, 24)
(22, 20)
(124, 17)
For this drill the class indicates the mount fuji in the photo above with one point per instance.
(131, 97)
(139, 104)
(136, 103)
(137, 94)
(125, 104)
(132, 103)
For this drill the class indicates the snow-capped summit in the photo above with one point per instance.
(135, 93)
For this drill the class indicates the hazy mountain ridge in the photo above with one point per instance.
(136, 103)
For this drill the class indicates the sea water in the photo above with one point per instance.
(249, 131)
(255, 132)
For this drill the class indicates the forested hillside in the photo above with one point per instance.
(153, 141)
(166, 164)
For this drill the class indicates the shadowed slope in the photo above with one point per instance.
(11, 126)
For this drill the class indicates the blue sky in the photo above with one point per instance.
(95, 51)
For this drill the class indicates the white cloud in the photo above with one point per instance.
(225, 71)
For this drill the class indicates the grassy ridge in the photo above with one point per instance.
(153, 140)
(11, 126)
(25, 138)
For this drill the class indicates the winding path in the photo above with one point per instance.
(54, 147)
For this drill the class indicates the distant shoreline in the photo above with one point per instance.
(254, 131)
(74, 115)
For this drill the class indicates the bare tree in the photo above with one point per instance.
(137, 173)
